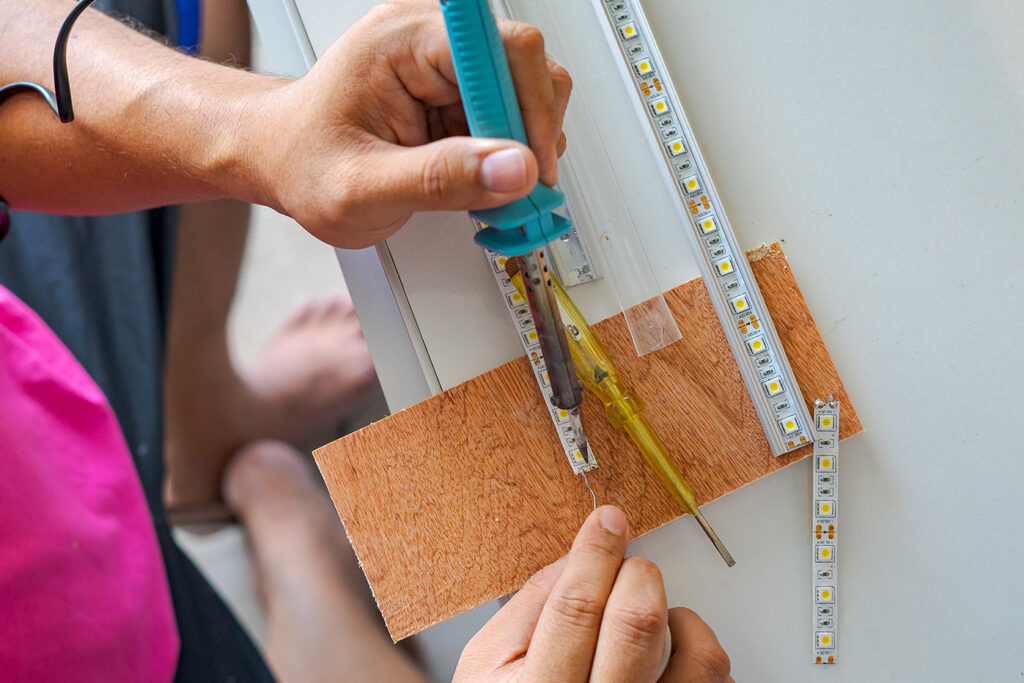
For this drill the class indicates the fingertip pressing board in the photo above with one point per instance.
(458, 499)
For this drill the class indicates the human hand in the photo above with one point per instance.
(593, 615)
(373, 132)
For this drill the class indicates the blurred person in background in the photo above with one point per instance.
(94, 587)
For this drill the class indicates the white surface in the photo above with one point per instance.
(885, 144)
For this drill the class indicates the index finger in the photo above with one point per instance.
(533, 78)
(563, 642)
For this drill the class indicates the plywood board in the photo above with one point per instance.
(459, 499)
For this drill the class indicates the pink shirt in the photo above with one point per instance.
(83, 593)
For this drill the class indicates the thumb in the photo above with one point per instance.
(457, 173)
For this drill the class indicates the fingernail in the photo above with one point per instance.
(613, 520)
(504, 170)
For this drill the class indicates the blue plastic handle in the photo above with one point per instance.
(492, 110)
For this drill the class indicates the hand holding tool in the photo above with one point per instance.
(524, 226)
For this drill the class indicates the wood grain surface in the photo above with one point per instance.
(459, 499)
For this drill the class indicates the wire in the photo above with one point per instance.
(59, 99)
(592, 494)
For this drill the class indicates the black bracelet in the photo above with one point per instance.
(59, 99)
(5, 219)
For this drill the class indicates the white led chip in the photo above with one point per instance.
(642, 67)
(691, 184)
(826, 463)
(826, 508)
(788, 424)
(707, 225)
(774, 387)
(826, 423)
(723, 266)
(659, 107)
(627, 31)
(756, 345)
(739, 303)
(826, 639)
(824, 594)
(675, 147)
(825, 553)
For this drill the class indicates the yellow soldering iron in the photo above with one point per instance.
(622, 407)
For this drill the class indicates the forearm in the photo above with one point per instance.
(372, 134)
(152, 126)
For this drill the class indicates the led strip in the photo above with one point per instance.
(824, 562)
(519, 309)
(723, 265)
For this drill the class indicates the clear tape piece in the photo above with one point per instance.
(652, 325)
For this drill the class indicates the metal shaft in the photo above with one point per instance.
(567, 392)
(719, 546)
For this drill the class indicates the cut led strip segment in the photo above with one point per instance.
(519, 309)
(825, 531)
(727, 275)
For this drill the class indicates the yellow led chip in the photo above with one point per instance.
(675, 147)
(826, 639)
(826, 423)
(628, 31)
(825, 553)
(824, 594)
(774, 387)
(691, 184)
(826, 508)
(788, 424)
(707, 224)
(564, 414)
(517, 298)
(739, 303)
(723, 266)
(532, 335)
(826, 463)
(659, 107)
(756, 345)
(643, 67)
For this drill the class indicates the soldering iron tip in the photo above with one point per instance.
(578, 434)
(585, 452)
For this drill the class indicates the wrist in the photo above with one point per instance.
(242, 154)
